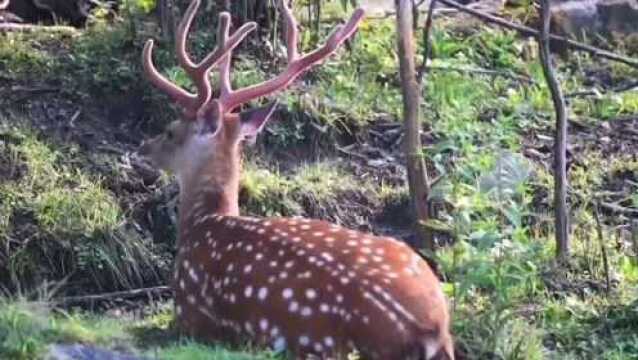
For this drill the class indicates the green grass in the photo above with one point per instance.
(27, 329)
(196, 351)
(59, 220)
(270, 193)
(22, 56)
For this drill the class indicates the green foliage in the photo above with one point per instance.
(496, 270)
(106, 59)
(361, 84)
(143, 6)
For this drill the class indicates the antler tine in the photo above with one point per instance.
(179, 95)
(197, 72)
(296, 65)
(224, 72)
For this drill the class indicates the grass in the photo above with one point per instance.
(269, 193)
(22, 56)
(59, 220)
(28, 329)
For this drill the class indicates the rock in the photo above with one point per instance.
(85, 352)
(619, 16)
(575, 18)
(584, 19)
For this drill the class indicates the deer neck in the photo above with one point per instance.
(210, 188)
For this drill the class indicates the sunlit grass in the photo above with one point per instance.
(79, 222)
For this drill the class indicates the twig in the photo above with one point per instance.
(634, 239)
(531, 32)
(481, 71)
(350, 153)
(127, 294)
(603, 248)
(19, 88)
(626, 87)
(13, 27)
(561, 211)
(75, 117)
(427, 44)
(618, 208)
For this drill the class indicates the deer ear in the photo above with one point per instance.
(209, 118)
(253, 121)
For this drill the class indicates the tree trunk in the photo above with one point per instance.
(167, 20)
(560, 140)
(417, 173)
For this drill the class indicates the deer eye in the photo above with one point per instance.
(169, 135)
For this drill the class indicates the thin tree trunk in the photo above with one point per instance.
(634, 239)
(417, 173)
(560, 140)
(167, 20)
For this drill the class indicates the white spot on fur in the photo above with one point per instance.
(304, 340)
(263, 292)
(287, 293)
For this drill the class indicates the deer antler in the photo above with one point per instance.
(197, 72)
(229, 99)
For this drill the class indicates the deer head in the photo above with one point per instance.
(206, 139)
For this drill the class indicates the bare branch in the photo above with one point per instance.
(13, 27)
(561, 211)
(127, 294)
(427, 44)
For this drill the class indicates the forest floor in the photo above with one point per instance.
(81, 215)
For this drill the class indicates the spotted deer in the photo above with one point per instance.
(305, 287)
